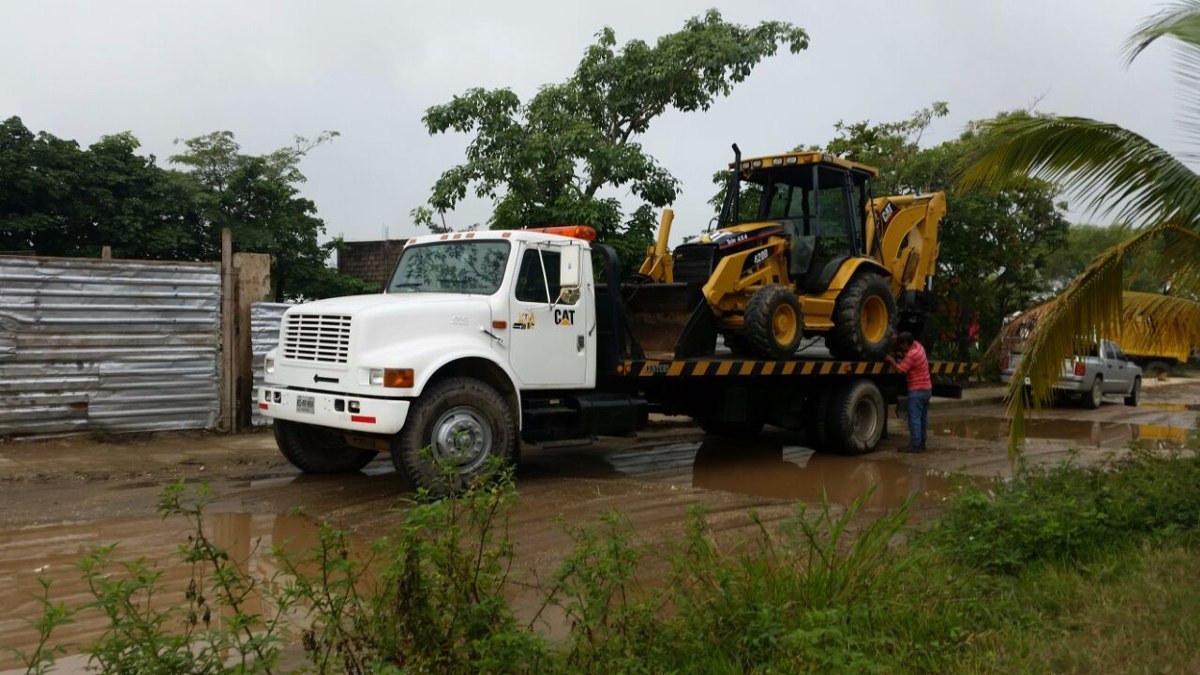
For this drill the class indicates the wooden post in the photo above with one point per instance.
(228, 387)
(106, 253)
(253, 274)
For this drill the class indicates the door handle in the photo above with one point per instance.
(579, 343)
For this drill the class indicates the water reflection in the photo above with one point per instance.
(1091, 433)
(54, 550)
(781, 471)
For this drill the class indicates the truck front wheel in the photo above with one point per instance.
(456, 434)
(318, 450)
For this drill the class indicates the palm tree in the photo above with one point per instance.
(1119, 173)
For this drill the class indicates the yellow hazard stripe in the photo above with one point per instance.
(774, 368)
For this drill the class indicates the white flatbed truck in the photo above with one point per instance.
(483, 340)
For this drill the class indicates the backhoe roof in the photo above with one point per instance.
(797, 158)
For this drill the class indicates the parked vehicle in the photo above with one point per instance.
(1103, 370)
(486, 339)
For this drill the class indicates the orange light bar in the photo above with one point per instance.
(400, 378)
(574, 231)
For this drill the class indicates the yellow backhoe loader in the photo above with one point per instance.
(801, 248)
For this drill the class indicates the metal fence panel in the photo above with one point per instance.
(265, 318)
(107, 345)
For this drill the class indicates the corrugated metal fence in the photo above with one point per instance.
(107, 345)
(265, 318)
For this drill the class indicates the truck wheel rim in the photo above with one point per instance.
(874, 318)
(462, 435)
(865, 420)
(783, 324)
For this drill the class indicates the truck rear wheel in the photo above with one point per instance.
(455, 435)
(318, 450)
(774, 322)
(1094, 396)
(856, 418)
(864, 319)
(1135, 393)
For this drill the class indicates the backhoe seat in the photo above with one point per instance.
(818, 283)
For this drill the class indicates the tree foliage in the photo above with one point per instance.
(1118, 172)
(59, 199)
(566, 154)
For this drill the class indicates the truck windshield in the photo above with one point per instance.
(451, 267)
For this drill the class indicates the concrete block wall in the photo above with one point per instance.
(370, 260)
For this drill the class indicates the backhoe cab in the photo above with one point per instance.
(803, 248)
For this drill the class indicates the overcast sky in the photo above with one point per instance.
(270, 70)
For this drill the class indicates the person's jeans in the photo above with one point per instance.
(918, 416)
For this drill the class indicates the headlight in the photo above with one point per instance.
(269, 364)
(376, 377)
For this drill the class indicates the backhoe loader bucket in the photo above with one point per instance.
(658, 314)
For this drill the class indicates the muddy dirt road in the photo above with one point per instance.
(62, 497)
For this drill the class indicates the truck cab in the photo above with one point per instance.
(507, 317)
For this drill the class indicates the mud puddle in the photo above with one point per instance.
(1172, 407)
(781, 472)
(1088, 433)
(53, 551)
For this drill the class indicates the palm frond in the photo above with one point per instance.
(1159, 324)
(1114, 170)
(1180, 21)
(1089, 308)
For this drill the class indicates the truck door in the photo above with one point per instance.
(548, 348)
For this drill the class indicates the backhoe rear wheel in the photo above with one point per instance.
(864, 319)
(774, 322)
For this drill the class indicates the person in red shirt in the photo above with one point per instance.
(915, 365)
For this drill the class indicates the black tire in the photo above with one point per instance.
(1157, 369)
(864, 319)
(774, 322)
(743, 429)
(319, 450)
(856, 418)
(1094, 397)
(467, 427)
(1135, 394)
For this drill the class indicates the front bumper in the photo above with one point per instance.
(339, 411)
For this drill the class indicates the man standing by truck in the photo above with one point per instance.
(915, 365)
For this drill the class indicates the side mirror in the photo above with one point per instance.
(570, 268)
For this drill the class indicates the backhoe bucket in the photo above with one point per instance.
(658, 314)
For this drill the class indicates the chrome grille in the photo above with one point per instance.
(322, 338)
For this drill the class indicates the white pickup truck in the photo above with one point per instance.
(1103, 370)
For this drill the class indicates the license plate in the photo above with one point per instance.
(306, 404)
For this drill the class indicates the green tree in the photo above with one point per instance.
(62, 200)
(560, 157)
(1116, 172)
(258, 199)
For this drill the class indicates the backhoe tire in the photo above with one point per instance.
(856, 418)
(774, 322)
(458, 432)
(864, 320)
(318, 450)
